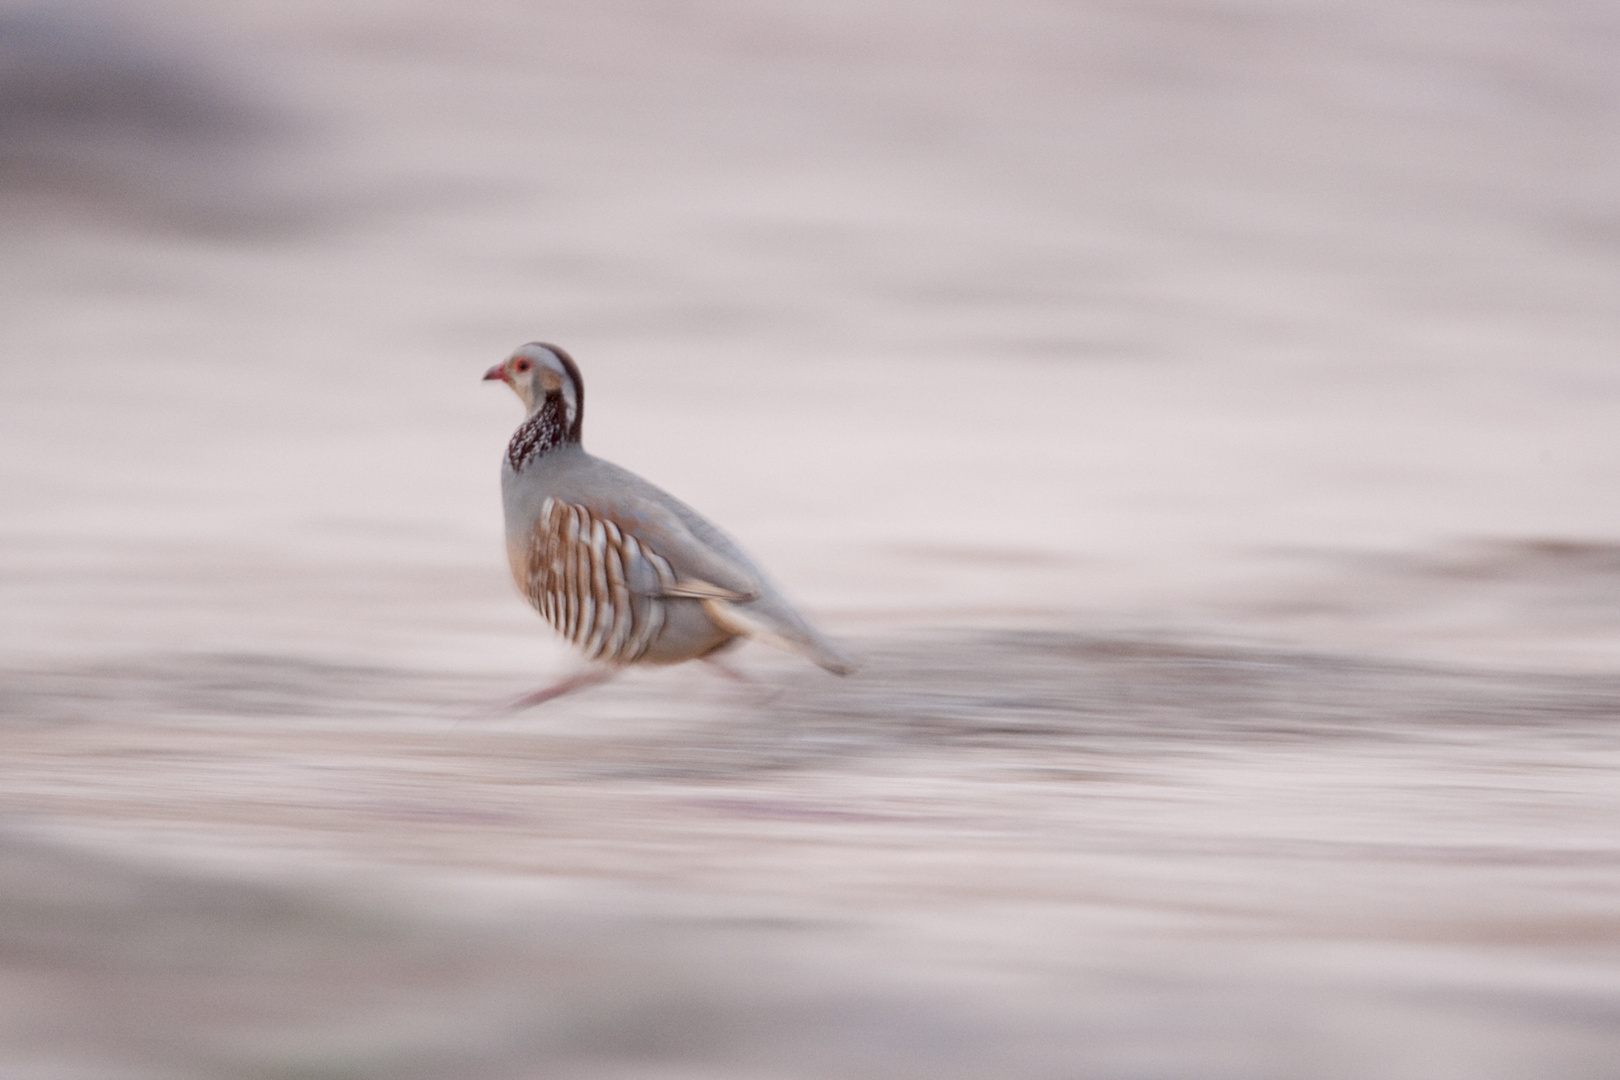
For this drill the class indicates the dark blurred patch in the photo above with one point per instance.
(107, 963)
(1056, 691)
(139, 972)
(102, 116)
(1550, 557)
(114, 970)
(1554, 584)
(229, 686)
(1059, 694)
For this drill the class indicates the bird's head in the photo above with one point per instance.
(545, 375)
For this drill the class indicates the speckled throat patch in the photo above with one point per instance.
(544, 431)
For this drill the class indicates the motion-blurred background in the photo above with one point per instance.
(1204, 416)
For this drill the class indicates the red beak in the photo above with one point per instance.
(496, 372)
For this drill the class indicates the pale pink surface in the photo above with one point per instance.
(1287, 332)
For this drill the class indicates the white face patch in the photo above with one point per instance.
(552, 377)
(570, 395)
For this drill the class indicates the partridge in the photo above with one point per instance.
(622, 569)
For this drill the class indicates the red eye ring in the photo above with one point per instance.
(522, 366)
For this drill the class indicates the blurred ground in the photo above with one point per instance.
(1202, 415)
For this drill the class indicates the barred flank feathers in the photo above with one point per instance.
(580, 567)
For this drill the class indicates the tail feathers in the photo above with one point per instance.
(793, 636)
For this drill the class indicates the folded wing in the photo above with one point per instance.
(603, 577)
(603, 588)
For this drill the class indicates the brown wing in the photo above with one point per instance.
(597, 583)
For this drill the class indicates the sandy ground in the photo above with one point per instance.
(1203, 418)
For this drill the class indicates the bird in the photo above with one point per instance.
(623, 570)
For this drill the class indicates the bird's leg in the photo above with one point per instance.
(763, 694)
(591, 676)
(718, 663)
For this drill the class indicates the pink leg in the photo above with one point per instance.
(591, 676)
(763, 695)
(718, 664)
